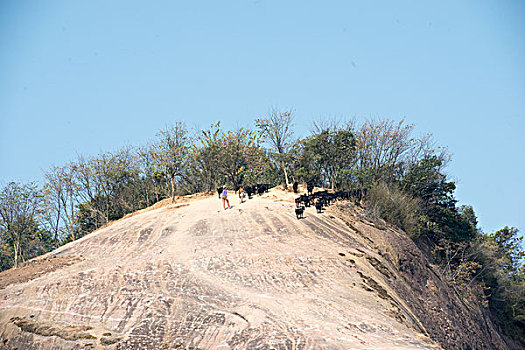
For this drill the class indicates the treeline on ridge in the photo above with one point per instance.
(402, 175)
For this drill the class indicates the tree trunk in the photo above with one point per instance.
(16, 247)
(287, 184)
(56, 231)
(70, 220)
(172, 180)
(107, 210)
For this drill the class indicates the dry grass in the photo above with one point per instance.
(65, 332)
(109, 340)
(395, 207)
(35, 268)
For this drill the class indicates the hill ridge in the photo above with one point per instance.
(194, 276)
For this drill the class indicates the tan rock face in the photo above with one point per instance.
(194, 276)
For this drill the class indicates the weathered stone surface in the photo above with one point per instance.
(252, 277)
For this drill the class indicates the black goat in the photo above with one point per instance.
(261, 188)
(249, 190)
(306, 200)
(299, 212)
(319, 205)
(219, 191)
(295, 187)
(310, 187)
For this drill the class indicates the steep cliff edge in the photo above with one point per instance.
(194, 276)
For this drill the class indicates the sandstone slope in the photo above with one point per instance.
(194, 276)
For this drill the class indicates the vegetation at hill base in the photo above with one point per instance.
(401, 175)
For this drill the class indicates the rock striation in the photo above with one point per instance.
(194, 276)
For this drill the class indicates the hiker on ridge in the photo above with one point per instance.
(224, 197)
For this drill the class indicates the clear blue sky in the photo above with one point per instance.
(81, 77)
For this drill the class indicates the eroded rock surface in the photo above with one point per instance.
(194, 276)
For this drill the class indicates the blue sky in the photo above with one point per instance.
(81, 77)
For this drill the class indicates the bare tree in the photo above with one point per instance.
(151, 170)
(69, 198)
(61, 192)
(93, 177)
(173, 146)
(277, 130)
(54, 194)
(383, 143)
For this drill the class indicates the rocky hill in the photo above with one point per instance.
(193, 276)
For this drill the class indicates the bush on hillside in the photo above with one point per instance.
(394, 206)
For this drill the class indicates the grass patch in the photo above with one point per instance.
(395, 207)
(65, 332)
(109, 340)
